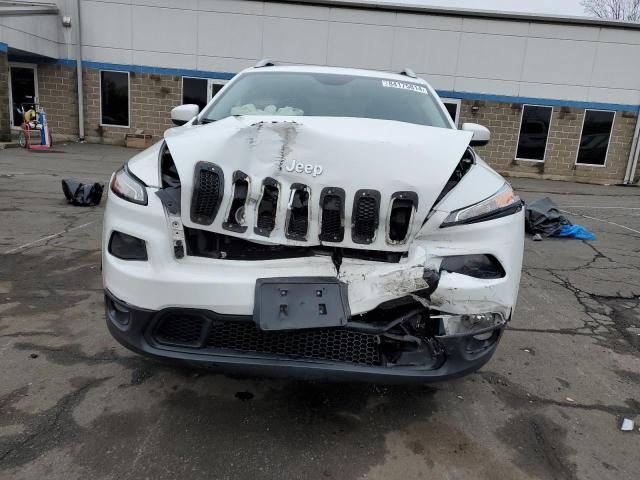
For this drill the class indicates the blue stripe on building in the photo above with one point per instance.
(184, 72)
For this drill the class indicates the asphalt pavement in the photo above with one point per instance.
(74, 404)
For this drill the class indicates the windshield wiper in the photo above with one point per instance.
(207, 120)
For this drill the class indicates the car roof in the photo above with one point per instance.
(337, 70)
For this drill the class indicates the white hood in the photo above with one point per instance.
(350, 153)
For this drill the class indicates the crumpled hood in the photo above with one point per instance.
(318, 152)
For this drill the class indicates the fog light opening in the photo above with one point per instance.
(119, 313)
(127, 247)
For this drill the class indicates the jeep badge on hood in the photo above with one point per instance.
(313, 170)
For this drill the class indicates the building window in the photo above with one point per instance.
(194, 91)
(200, 91)
(114, 98)
(594, 140)
(453, 107)
(534, 133)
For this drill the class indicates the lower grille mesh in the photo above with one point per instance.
(322, 344)
(182, 329)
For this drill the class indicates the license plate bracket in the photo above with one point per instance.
(294, 303)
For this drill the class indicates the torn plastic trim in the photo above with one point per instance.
(464, 165)
(167, 171)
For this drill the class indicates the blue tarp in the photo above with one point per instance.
(574, 231)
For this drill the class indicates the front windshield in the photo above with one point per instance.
(327, 95)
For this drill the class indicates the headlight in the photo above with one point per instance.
(502, 203)
(125, 185)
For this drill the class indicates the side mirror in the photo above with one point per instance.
(481, 135)
(184, 113)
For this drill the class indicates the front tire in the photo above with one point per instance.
(22, 140)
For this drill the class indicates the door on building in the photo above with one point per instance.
(23, 87)
(200, 91)
(453, 107)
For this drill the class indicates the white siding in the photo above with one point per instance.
(466, 54)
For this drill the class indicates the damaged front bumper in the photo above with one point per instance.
(363, 351)
(201, 310)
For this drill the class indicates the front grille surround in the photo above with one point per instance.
(332, 201)
(267, 211)
(382, 221)
(402, 209)
(298, 211)
(235, 218)
(365, 217)
(208, 191)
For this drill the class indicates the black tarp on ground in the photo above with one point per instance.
(82, 194)
(543, 217)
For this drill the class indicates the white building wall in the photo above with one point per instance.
(36, 34)
(456, 53)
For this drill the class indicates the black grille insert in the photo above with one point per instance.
(403, 205)
(208, 188)
(332, 207)
(183, 329)
(332, 344)
(298, 213)
(267, 208)
(236, 217)
(201, 243)
(365, 216)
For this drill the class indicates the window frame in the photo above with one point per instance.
(606, 155)
(210, 81)
(32, 66)
(458, 103)
(128, 98)
(546, 143)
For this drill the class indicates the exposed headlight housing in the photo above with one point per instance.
(502, 203)
(477, 266)
(479, 326)
(128, 187)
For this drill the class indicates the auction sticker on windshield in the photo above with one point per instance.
(404, 86)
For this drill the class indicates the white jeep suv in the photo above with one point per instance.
(316, 222)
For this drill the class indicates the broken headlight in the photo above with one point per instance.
(480, 325)
(128, 187)
(502, 203)
(477, 266)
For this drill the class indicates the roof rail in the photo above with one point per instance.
(264, 63)
(409, 73)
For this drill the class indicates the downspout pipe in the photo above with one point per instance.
(633, 154)
(79, 74)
